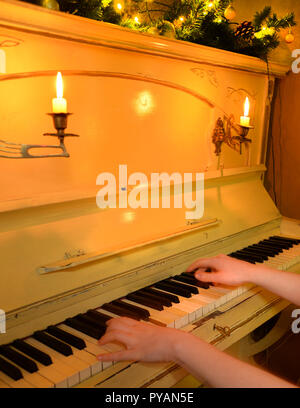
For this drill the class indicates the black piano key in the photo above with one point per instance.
(92, 322)
(241, 258)
(256, 252)
(19, 359)
(100, 317)
(189, 289)
(190, 275)
(256, 257)
(120, 311)
(144, 301)
(79, 325)
(269, 250)
(173, 298)
(188, 285)
(276, 244)
(164, 301)
(53, 343)
(32, 352)
(264, 249)
(188, 280)
(168, 287)
(285, 239)
(10, 370)
(280, 242)
(245, 253)
(144, 314)
(66, 337)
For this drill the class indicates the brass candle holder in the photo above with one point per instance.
(223, 134)
(11, 150)
(242, 138)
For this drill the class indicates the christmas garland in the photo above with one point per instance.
(206, 22)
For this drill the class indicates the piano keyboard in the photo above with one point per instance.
(64, 355)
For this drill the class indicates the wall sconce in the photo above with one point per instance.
(223, 134)
(223, 131)
(60, 115)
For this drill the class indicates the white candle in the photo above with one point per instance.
(245, 120)
(59, 104)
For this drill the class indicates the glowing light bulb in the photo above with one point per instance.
(181, 19)
(136, 20)
(210, 5)
(119, 6)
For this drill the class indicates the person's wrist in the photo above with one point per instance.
(257, 274)
(179, 345)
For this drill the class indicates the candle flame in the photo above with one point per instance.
(246, 107)
(59, 86)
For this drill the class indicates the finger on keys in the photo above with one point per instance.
(115, 335)
(208, 276)
(121, 322)
(213, 262)
(126, 355)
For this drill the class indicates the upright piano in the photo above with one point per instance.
(67, 266)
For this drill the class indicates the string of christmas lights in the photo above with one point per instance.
(206, 22)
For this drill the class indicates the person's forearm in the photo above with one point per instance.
(284, 284)
(220, 370)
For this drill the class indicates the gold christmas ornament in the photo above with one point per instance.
(289, 38)
(153, 31)
(230, 13)
(50, 4)
(167, 29)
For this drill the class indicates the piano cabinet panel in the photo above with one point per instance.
(130, 103)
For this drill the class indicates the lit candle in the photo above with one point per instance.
(59, 104)
(245, 120)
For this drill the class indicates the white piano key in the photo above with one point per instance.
(78, 366)
(4, 385)
(91, 360)
(36, 380)
(92, 346)
(14, 384)
(182, 319)
(50, 373)
(70, 374)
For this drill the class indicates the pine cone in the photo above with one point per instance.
(245, 31)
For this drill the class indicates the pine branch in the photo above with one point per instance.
(261, 16)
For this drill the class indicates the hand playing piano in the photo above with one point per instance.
(143, 341)
(223, 269)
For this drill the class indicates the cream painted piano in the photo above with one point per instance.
(152, 104)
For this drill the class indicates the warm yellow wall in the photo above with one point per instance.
(286, 148)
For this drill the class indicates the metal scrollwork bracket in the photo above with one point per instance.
(11, 150)
(223, 134)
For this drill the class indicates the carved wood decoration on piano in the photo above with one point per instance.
(68, 266)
